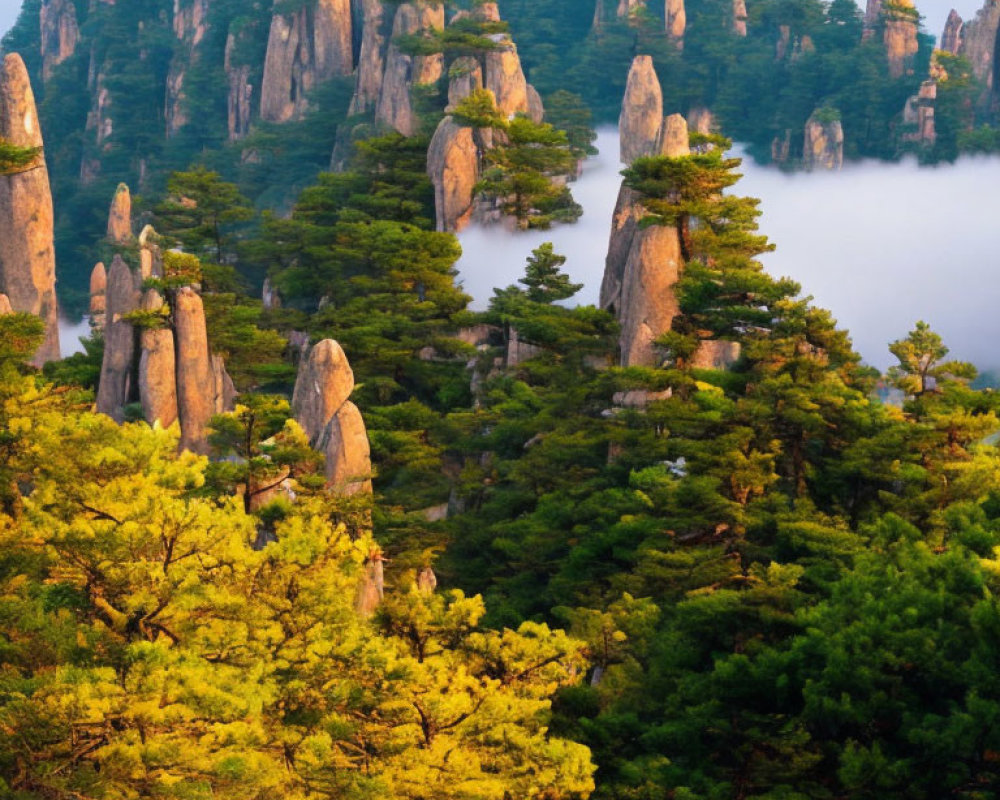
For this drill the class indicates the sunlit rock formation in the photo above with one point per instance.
(823, 142)
(120, 216)
(332, 422)
(27, 251)
(642, 111)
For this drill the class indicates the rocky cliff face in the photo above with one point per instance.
(505, 78)
(900, 37)
(305, 46)
(333, 424)
(453, 164)
(239, 98)
(404, 71)
(823, 143)
(157, 369)
(647, 304)
(642, 111)
(324, 383)
(978, 45)
(371, 60)
(60, 33)
(27, 252)
(951, 39)
(190, 27)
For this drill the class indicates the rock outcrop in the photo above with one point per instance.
(404, 71)
(453, 164)
(195, 381)
(918, 115)
(310, 44)
(675, 19)
(324, 383)
(900, 37)
(979, 46)
(5, 307)
(823, 145)
(675, 139)
(740, 17)
(332, 422)
(27, 251)
(505, 78)
(951, 39)
(120, 216)
(157, 369)
(464, 77)
(643, 264)
(348, 453)
(117, 387)
(371, 60)
(60, 33)
(98, 300)
(648, 305)
(642, 111)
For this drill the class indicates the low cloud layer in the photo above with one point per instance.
(880, 245)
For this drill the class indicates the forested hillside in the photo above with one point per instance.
(299, 524)
(130, 92)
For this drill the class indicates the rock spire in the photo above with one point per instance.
(332, 422)
(27, 251)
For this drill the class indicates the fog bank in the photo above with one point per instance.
(880, 245)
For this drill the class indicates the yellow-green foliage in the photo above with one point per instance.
(149, 649)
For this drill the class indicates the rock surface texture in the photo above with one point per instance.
(98, 300)
(60, 33)
(403, 71)
(371, 60)
(305, 46)
(117, 386)
(642, 111)
(643, 264)
(195, 398)
(900, 37)
(120, 216)
(157, 369)
(979, 46)
(823, 143)
(951, 39)
(27, 251)
(333, 424)
(453, 165)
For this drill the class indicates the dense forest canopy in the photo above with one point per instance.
(772, 575)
